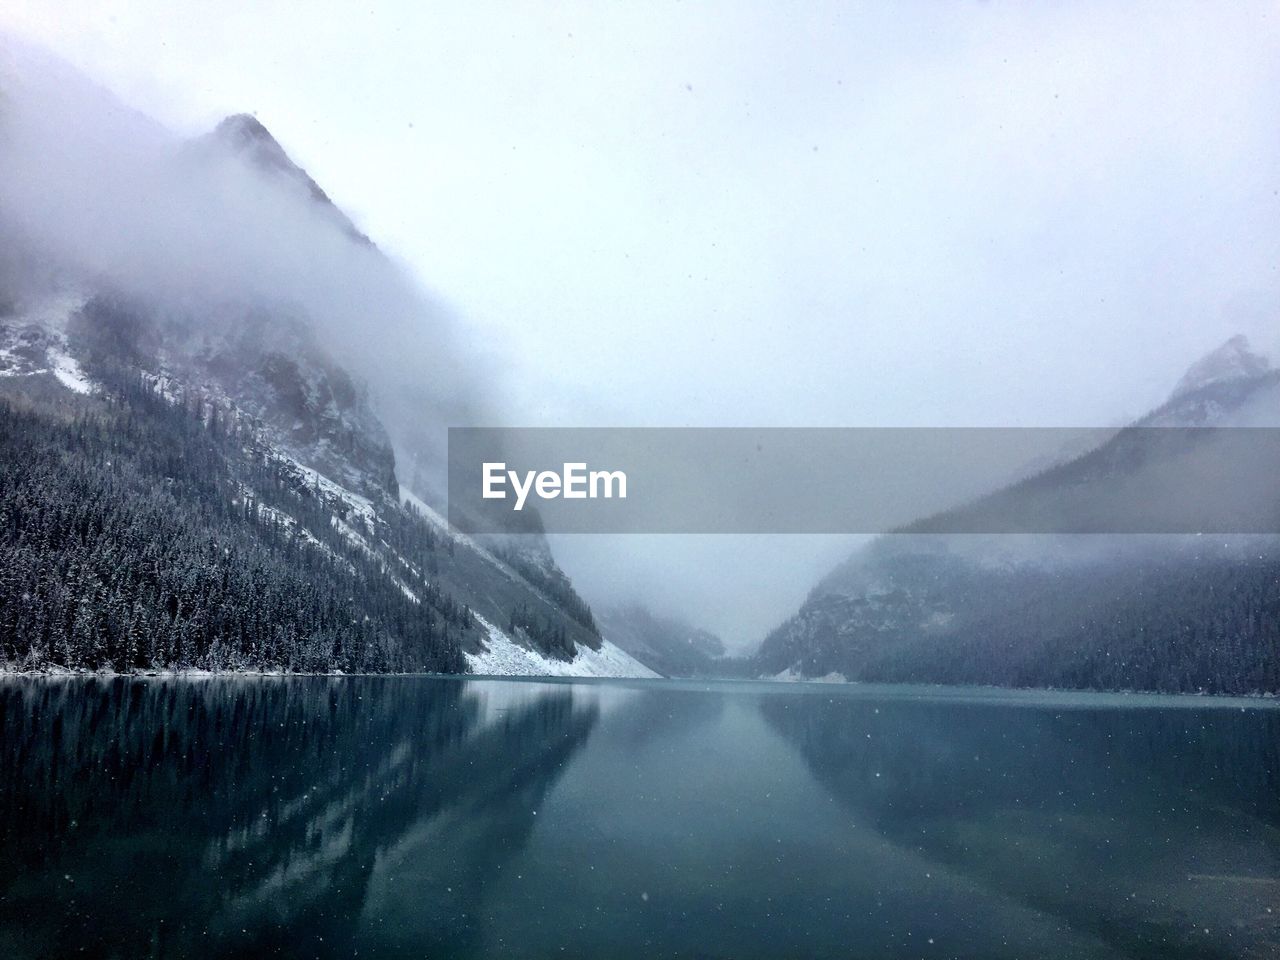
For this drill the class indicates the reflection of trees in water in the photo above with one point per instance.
(245, 816)
(1141, 827)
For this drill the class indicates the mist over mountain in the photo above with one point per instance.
(206, 232)
(666, 644)
(1175, 612)
(639, 480)
(207, 292)
(210, 379)
(244, 134)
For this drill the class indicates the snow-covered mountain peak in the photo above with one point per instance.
(1234, 360)
(244, 135)
(246, 132)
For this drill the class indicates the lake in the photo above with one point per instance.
(434, 817)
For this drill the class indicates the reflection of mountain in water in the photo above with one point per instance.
(242, 817)
(1155, 831)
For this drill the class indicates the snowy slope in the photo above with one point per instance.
(33, 341)
(503, 657)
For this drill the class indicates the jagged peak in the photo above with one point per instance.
(244, 123)
(245, 131)
(1234, 360)
(248, 136)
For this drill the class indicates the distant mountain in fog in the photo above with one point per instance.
(1231, 362)
(665, 644)
(1112, 611)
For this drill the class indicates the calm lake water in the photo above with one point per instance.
(419, 817)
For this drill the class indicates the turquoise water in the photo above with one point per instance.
(427, 817)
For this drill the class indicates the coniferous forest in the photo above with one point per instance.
(140, 533)
(1171, 619)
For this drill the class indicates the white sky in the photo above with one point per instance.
(768, 213)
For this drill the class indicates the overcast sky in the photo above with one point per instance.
(768, 214)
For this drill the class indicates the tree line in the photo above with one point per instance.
(141, 533)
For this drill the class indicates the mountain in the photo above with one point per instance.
(244, 135)
(1231, 362)
(191, 477)
(1175, 612)
(666, 645)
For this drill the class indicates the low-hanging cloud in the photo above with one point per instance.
(114, 201)
(716, 214)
